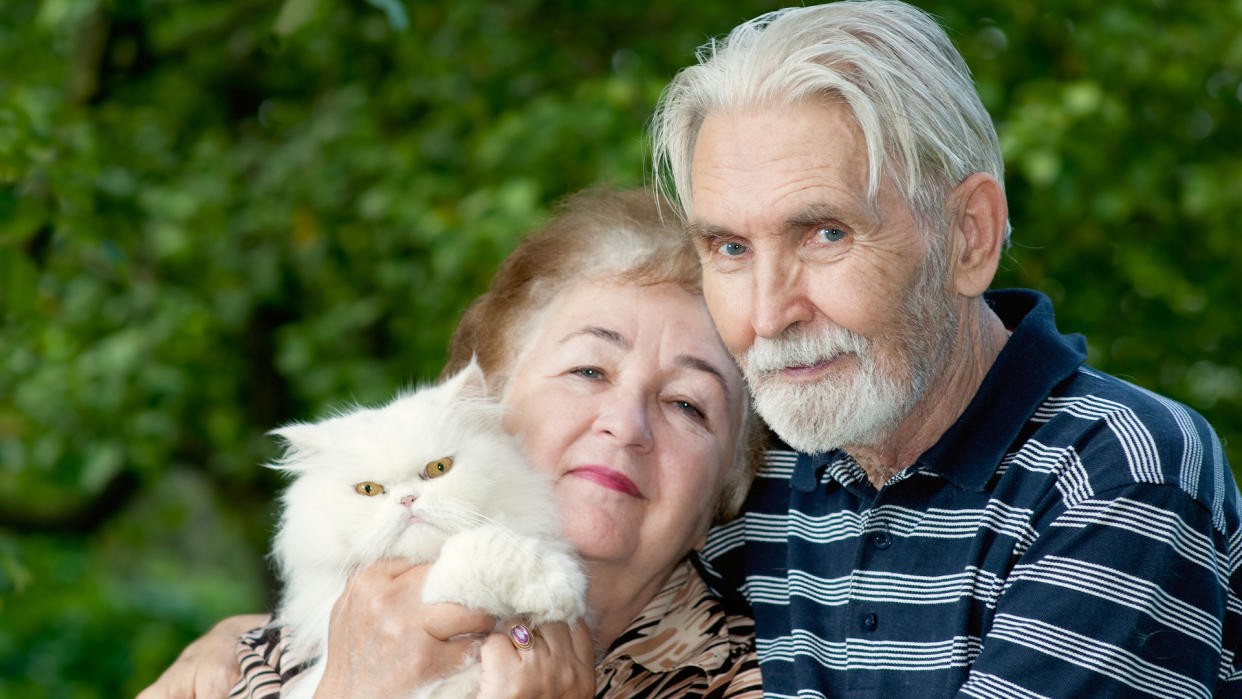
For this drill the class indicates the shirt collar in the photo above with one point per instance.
(670, 632)
(812, 469)
(1035, 359)
(807, 469)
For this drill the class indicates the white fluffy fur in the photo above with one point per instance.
(489, 523)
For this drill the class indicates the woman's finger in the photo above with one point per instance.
(583, 643)
(388, 569)
(446, 620)
(551, 666)
(383, 641)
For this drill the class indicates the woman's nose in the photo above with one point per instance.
(624, 417)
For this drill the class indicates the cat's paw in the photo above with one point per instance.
(556, 590)
(504, 574)
(466, 571)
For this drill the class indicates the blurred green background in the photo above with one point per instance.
(220, 215)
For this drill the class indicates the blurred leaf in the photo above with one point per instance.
(395, 12)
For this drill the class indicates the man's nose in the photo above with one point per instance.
(778, 297)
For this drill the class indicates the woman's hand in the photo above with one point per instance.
(559, 663)
(383, 641)
(207, 668)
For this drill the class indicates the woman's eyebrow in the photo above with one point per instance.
(692, 362)
(686, 361)
(610, 336)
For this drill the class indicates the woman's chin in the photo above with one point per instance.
(600, 541)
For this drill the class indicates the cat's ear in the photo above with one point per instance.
(301, 439)
(468, 397)
(469, 384)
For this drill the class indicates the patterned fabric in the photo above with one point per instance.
(1072, 535)
(681, 645)
(259, 655)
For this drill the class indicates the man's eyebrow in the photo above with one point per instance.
(692, 362)
(701, 230)
(813, 214)
(807, 216)
(609, 336)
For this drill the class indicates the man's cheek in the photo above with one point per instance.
(730, 312)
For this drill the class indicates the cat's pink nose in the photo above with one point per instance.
(408, 500)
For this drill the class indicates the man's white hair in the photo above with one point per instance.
(890, 63)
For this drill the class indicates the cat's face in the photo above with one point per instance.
(396, 481)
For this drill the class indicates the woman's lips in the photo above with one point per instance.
(609, 478)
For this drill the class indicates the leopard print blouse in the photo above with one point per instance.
(682, 644)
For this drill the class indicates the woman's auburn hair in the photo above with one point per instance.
(608, 235)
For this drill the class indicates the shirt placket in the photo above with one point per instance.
(866, 618)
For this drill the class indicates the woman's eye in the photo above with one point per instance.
(588, 372)
(829, 234)
(368, 488)
(689, 408)
(731, 249)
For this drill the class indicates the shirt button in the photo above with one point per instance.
(882, 540)
(871, 621)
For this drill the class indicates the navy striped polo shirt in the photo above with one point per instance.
(1071, 535)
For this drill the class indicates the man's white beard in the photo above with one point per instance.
(863, 402)
(855, 405)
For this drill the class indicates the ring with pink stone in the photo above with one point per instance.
(521, 636)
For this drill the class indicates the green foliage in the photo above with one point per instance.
(220, 215)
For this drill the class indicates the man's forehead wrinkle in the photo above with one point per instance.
(814, 213)
(818, 202)
(783, 214)
(830, 174)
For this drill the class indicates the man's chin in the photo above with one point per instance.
(823, 424)
(804, 432)
(810, 441)
(806, 443)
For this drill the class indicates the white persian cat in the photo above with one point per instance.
(431, 476)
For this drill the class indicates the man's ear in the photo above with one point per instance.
(979, 216)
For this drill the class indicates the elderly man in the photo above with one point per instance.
(966, 507)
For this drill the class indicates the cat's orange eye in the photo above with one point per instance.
(369, 488)
(439, 467)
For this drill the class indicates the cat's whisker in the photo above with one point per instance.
(471, 517)
(462, 513)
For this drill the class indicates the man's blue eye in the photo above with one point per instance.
(588, 372)
(830, 234)
(732, 249)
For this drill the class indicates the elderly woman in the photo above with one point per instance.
(595, 333)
